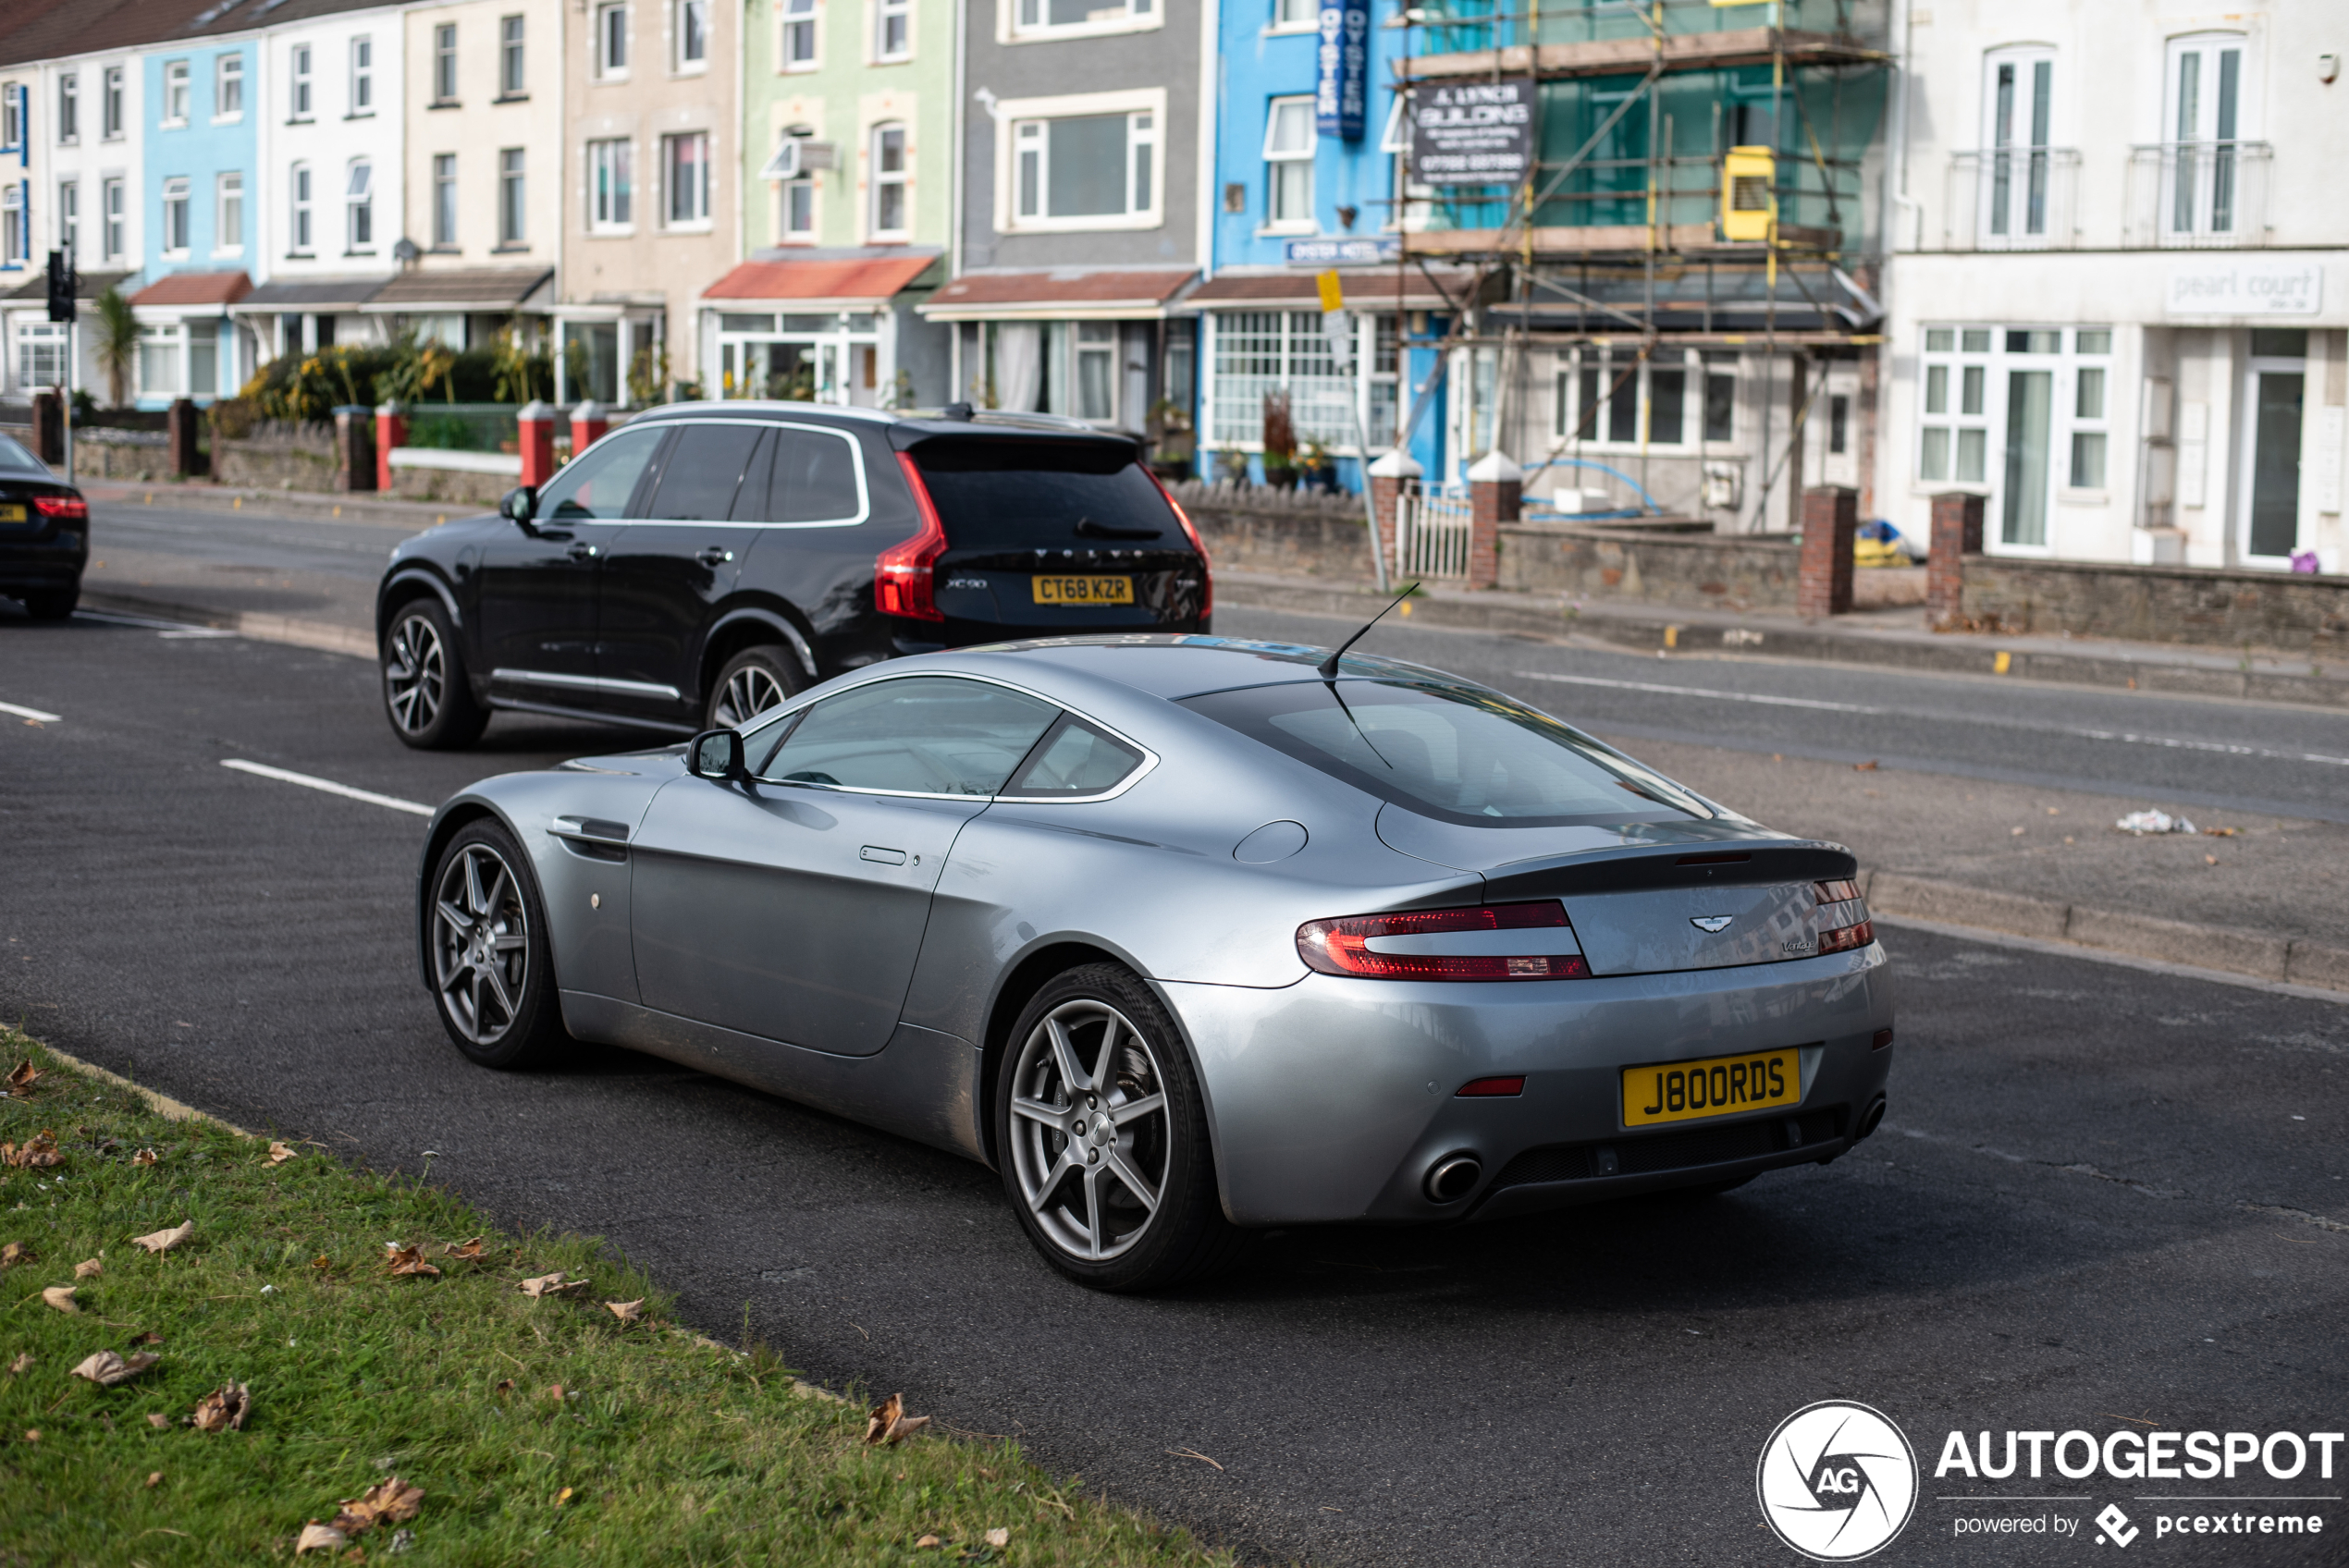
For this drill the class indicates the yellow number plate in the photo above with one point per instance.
(1084, 590)
(12, 512)
(1721, 1085)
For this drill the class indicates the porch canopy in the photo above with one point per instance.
(1366, 288)
(87, 285)
(467, 291)
(185, 289)
(822, 283)
(312, 296)
(1062, 294)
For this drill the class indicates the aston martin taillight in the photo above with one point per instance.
(1529, 942)
(1843, 917)
(905, 576)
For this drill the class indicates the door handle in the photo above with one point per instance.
(885, 856)
(581, 552)
(714, 557)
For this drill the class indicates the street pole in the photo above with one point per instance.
(1336, 328)
(65, 396)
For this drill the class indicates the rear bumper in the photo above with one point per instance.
(1332, 1098)
(54, 562)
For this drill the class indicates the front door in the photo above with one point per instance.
(793, 908)
(2272, 509)
(537, 601)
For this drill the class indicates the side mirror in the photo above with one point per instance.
(717, 754)
(520, 505)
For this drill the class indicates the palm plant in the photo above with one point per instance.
(118, 344)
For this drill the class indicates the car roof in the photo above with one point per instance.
(907, 427)
(1174, 666)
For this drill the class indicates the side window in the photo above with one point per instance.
(596, 486)
(815, 479)
(702, 471)
(927, 735)
(1076, 759)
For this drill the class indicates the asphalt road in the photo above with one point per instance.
(2101, 1196)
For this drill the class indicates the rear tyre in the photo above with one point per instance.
(1103, 1138)
(493, 971)
(426, 695)
(751, 683)
(52, 603)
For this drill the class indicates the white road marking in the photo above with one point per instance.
(203, 633)
(328, 786)
(2124, 737)
(33, 714)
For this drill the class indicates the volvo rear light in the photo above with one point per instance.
(1843, 917)
(905, 576)
(62, 508)
(1206, 572)
(1530, 941)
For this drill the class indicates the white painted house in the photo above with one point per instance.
(2119, 277)
(77, 167)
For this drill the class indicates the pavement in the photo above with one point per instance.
(2105, 1197)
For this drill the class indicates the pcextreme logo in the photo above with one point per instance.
(1836, 1481)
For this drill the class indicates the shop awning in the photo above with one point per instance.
(311, 295)
(194, 288)
(863, 283)
(1070, 294)
(485, 289)
(1370, 288)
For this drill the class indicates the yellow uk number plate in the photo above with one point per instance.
(1690, 1091)
(12, 511)
(1084, 590)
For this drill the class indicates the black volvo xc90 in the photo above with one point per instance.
(706, 561)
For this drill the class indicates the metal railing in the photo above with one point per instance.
(2013, 199)
(1431, 536)
(2191, 195)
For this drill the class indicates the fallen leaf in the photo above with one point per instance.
(37, 1152)
(627, 1311)
(105, 1368)
(32, 1434)
(1192, 1453)
(315, 1537)
(562, 1496)
(888, 1422)
(21, 1365)
(407, 1260)
(164, 1241)
(505, 1386)
(60, 1297)
(322, 1261)
(389, 1500)
(155, 1478)
(279, 1153)
(2220, 832)
(14, 1254)
(2210, 859)
(927, 1541)
(465, 1251)
(88, 1267)
(998, 1538)
(21, 1078)
(1868, 766)
(158, 1420)
(223, 1410)
(144, 1157)
(149, 1337)
(552, 1285)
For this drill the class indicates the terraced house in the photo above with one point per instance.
(845, 178)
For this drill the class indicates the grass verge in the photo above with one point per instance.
(540, 1430)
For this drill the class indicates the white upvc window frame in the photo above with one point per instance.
(611, 185)
(177, 91)
(877, 180)
(513, 199)
(673, 182)
(69, 215)
(359, 207)
(513, 56)
(797, 24)
(2089, 439)
(301, 191)
(893, 37)
(689, 37)
(15, 220)
(1582, 410)
(445, 208)
(1335, 387)
(1956, 366)
(1026, 21)
(69, 108)
(1146, 123)
(444, 63)
(113, 216)
(363, 76)
(228, 81)
(229, 212)
(300, 81)
(1289, 166)
(608, 39)
(1294, 15)
(177, 191)
(114, 103)
(2198, 122)
(1410, 205)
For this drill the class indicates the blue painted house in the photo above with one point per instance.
(203, 105)
(1308, 180)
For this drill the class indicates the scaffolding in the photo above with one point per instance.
(1696, 182)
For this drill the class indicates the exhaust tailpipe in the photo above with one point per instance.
(1868, 1119)
(1454, 1178)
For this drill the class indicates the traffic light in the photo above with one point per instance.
(61, 282)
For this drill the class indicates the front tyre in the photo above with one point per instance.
(426, 693)
(493, 971)
(1103, 1137)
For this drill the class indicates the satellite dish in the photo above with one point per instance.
(405, 251)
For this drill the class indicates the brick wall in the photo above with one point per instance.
(2159, 603)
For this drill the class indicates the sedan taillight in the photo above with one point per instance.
(1843, 917)
(1493, 942)
(63, 509)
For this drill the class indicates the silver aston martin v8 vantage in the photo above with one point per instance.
(1184, 937)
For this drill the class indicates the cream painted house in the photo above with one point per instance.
(651, 216)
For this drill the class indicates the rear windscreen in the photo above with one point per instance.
(1458, 755)
(1044, 494)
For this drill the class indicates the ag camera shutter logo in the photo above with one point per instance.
(1836, 1481)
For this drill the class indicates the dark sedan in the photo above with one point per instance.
(44, 534)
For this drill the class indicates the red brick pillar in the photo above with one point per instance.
(1392, 477)
(179, 429)
(1957, 533)
(535, 438)
(354, 447)
(391, 432)
(587, 425)
(1496, 485)
(1831, 519)
(48, 426)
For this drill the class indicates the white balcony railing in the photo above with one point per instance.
(2196, 194)
(2013, 199)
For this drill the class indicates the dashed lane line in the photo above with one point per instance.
(327, 786)
(33, 714)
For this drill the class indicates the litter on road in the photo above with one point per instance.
(2143, 822)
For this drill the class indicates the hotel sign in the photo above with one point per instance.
(1343, 63)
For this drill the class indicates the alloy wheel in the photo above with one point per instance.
(415, 674)
(481, 944)
(749, 691)
(1090, 1129)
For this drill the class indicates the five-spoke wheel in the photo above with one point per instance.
(425, 695)
(751, 683)
(490, 966)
